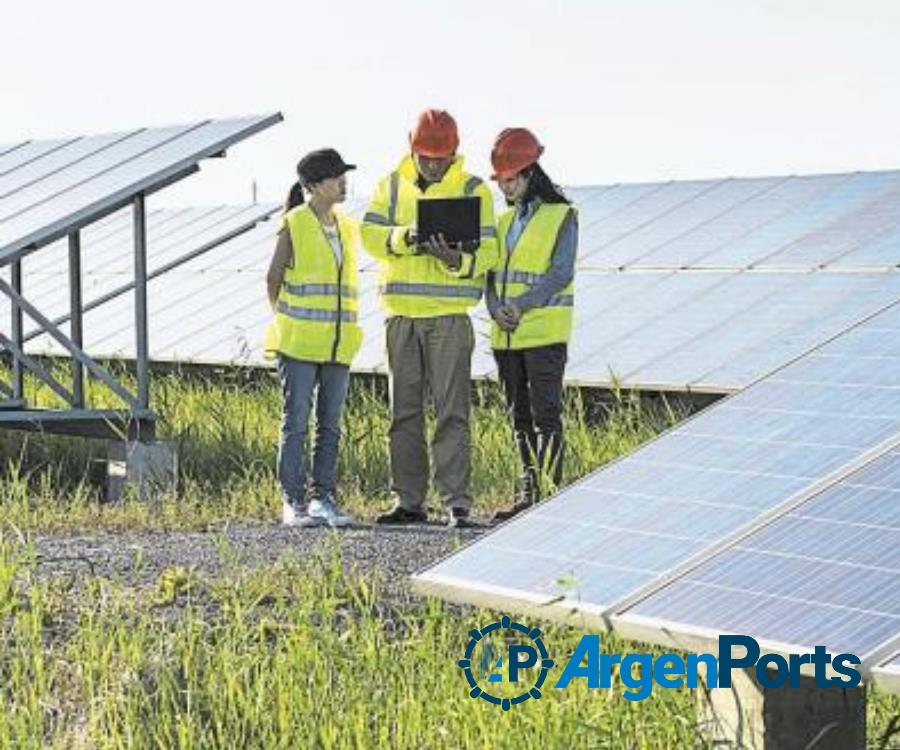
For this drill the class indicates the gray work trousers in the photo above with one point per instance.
(430, 355)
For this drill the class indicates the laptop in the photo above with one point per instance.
(458, 219)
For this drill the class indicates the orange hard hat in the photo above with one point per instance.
(434, 134)
(514, 149)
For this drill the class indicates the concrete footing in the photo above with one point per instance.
(150, 468)
(750, 717)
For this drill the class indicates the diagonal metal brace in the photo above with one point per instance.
(76, 352)
(38, 370)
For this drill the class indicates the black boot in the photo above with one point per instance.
(400, 516)
(526, 496)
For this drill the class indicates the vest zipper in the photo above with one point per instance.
(340, 302)
(505, 282)
(509, 252)
(340, 297)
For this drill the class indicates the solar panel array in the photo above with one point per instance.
(706, 284)
(756, 516)
(49, 187)
(108, 258)
(701, 285)
(839, 221)
(712, 331)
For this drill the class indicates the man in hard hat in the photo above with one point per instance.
(427, 290)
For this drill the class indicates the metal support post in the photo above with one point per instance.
(17, 331)
(140, 301)
(75, 311)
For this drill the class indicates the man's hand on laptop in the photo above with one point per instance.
(449, 255)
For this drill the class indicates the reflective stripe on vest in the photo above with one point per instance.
(520, 277)
(430, 290)
(372, 218)
(471, 185)
(488, 232)
(392, 206)
(309, 313)
(319, 290)
(561, 300)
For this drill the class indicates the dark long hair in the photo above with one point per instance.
(294, 197)
(541, 186)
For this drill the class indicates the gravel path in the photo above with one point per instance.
(137, 558)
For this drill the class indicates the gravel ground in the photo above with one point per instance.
(137, 558)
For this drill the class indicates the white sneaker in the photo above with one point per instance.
(291, 515)
(325, 510)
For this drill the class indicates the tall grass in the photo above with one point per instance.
(296, 656)
(225, 427)
(304, 653)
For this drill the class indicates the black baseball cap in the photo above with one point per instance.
(321, 164)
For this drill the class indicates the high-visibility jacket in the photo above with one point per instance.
(417, 285)
(523, 265)
(317, 307)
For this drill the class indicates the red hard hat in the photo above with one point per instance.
(514, 149)
(434, 134)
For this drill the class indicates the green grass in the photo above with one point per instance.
(295, 656)
(225, 429)
(300, 654)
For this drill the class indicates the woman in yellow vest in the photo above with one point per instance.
(312, 287)
(530, 297)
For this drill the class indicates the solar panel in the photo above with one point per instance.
(882, 250)
(599, 326)
(717, 242)
(647, 348)
(848, 222)
(827, 573)
(627, 527)
(736, 342)
(18, 155)
(719, 198)
(703, 329)
(605, 238)
(49, 190)
(107, 261)
(810, 220)
(774, 222)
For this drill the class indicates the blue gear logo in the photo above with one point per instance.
(520, 657)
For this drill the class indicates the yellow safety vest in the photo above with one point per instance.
(417, 285)
(523, 265)
(316, 312)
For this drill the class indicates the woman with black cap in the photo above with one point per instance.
(312, 287)
(530, 297)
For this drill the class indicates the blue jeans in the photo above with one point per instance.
(298, 381)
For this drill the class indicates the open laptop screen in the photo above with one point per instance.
(458, 219)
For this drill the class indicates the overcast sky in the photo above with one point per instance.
(617, 91)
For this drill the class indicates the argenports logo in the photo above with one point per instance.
(506, 664)
(490, 645)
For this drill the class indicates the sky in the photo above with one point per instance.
(617, 91)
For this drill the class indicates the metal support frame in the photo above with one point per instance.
(76, 328)
(76, 352)
(151, 275)
(140, 302)
(28, 363)
(17, 331)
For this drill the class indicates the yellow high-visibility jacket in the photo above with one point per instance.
(521, 266)
(316, 312)
(417, 285)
